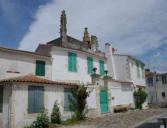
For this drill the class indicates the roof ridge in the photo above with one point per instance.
(23, 51)
(35, 79)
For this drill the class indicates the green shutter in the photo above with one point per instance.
(90, 65)
(138, 70)
(40, 68)
(67, 93)
(72, 62)
(69, 62)
(143, 75)
(39, 99)
(35, 99)
(1, 99)
(101, 67)
(31, 103)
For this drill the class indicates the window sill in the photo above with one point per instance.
(32, 115)
(73, 71)
(40, 75)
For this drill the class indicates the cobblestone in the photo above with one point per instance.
(119, 120)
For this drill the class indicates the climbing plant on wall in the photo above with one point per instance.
(78, 102)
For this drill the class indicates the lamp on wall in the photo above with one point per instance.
(106, 72)
(94, 70)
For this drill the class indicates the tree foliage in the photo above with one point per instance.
(140, 97)
(56, 116)
(42, 121)
(78, 102)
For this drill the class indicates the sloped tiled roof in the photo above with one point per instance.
(130, 57)
(121, 81)
(35, 79)
(45, 49)
(3, 49)
(149, 73)
(140, 86)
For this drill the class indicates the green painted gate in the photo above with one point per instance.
(103, 101)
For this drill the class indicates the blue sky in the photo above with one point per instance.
(15, 19)
(135, 27)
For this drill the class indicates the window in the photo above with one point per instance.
(164, 80)
(101, 67)
(90, 65)
(163, 94)
(157, 78)
(67, 94)
(35, 99)
(72, 62)
(143, 74)
(150, 81)
(138, 70)
(40, 68)
(1, 99)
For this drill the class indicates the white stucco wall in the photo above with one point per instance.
(161, 88)
(155, 91)
(133, 72)
(60, 65)
(52, 93)
(22, 64)
(122, 93)
(91, 100)
(121, 67)
(4, 116)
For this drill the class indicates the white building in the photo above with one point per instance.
(156, 87)
(111, 78)
(128, 72)
(17, 63)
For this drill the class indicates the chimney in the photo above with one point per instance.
(94, 43)
(110, 60)
(86, 38)
(63, 28)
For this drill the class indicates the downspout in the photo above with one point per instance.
(12, 109)
(9, 104)
(155, 88)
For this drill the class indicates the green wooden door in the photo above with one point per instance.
(103, 101)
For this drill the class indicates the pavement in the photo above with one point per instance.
(130, 119)
(153, 123)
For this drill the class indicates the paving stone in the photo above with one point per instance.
(119, 120)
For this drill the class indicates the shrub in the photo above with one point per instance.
(78, 102)
(56, 116)
(140, 97)
(42, 121)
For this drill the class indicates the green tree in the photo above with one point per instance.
(56, 116)
(140, 97)
(78, 102)
(42, 121)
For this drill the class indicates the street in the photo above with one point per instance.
(129, 119)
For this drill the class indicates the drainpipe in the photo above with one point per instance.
(12, 110)
(156, 89)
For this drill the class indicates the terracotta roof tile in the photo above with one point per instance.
(35, 79)
(122, 81)
(147, 73)
(22, 52)
(140, 86)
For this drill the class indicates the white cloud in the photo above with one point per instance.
(132, 26)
